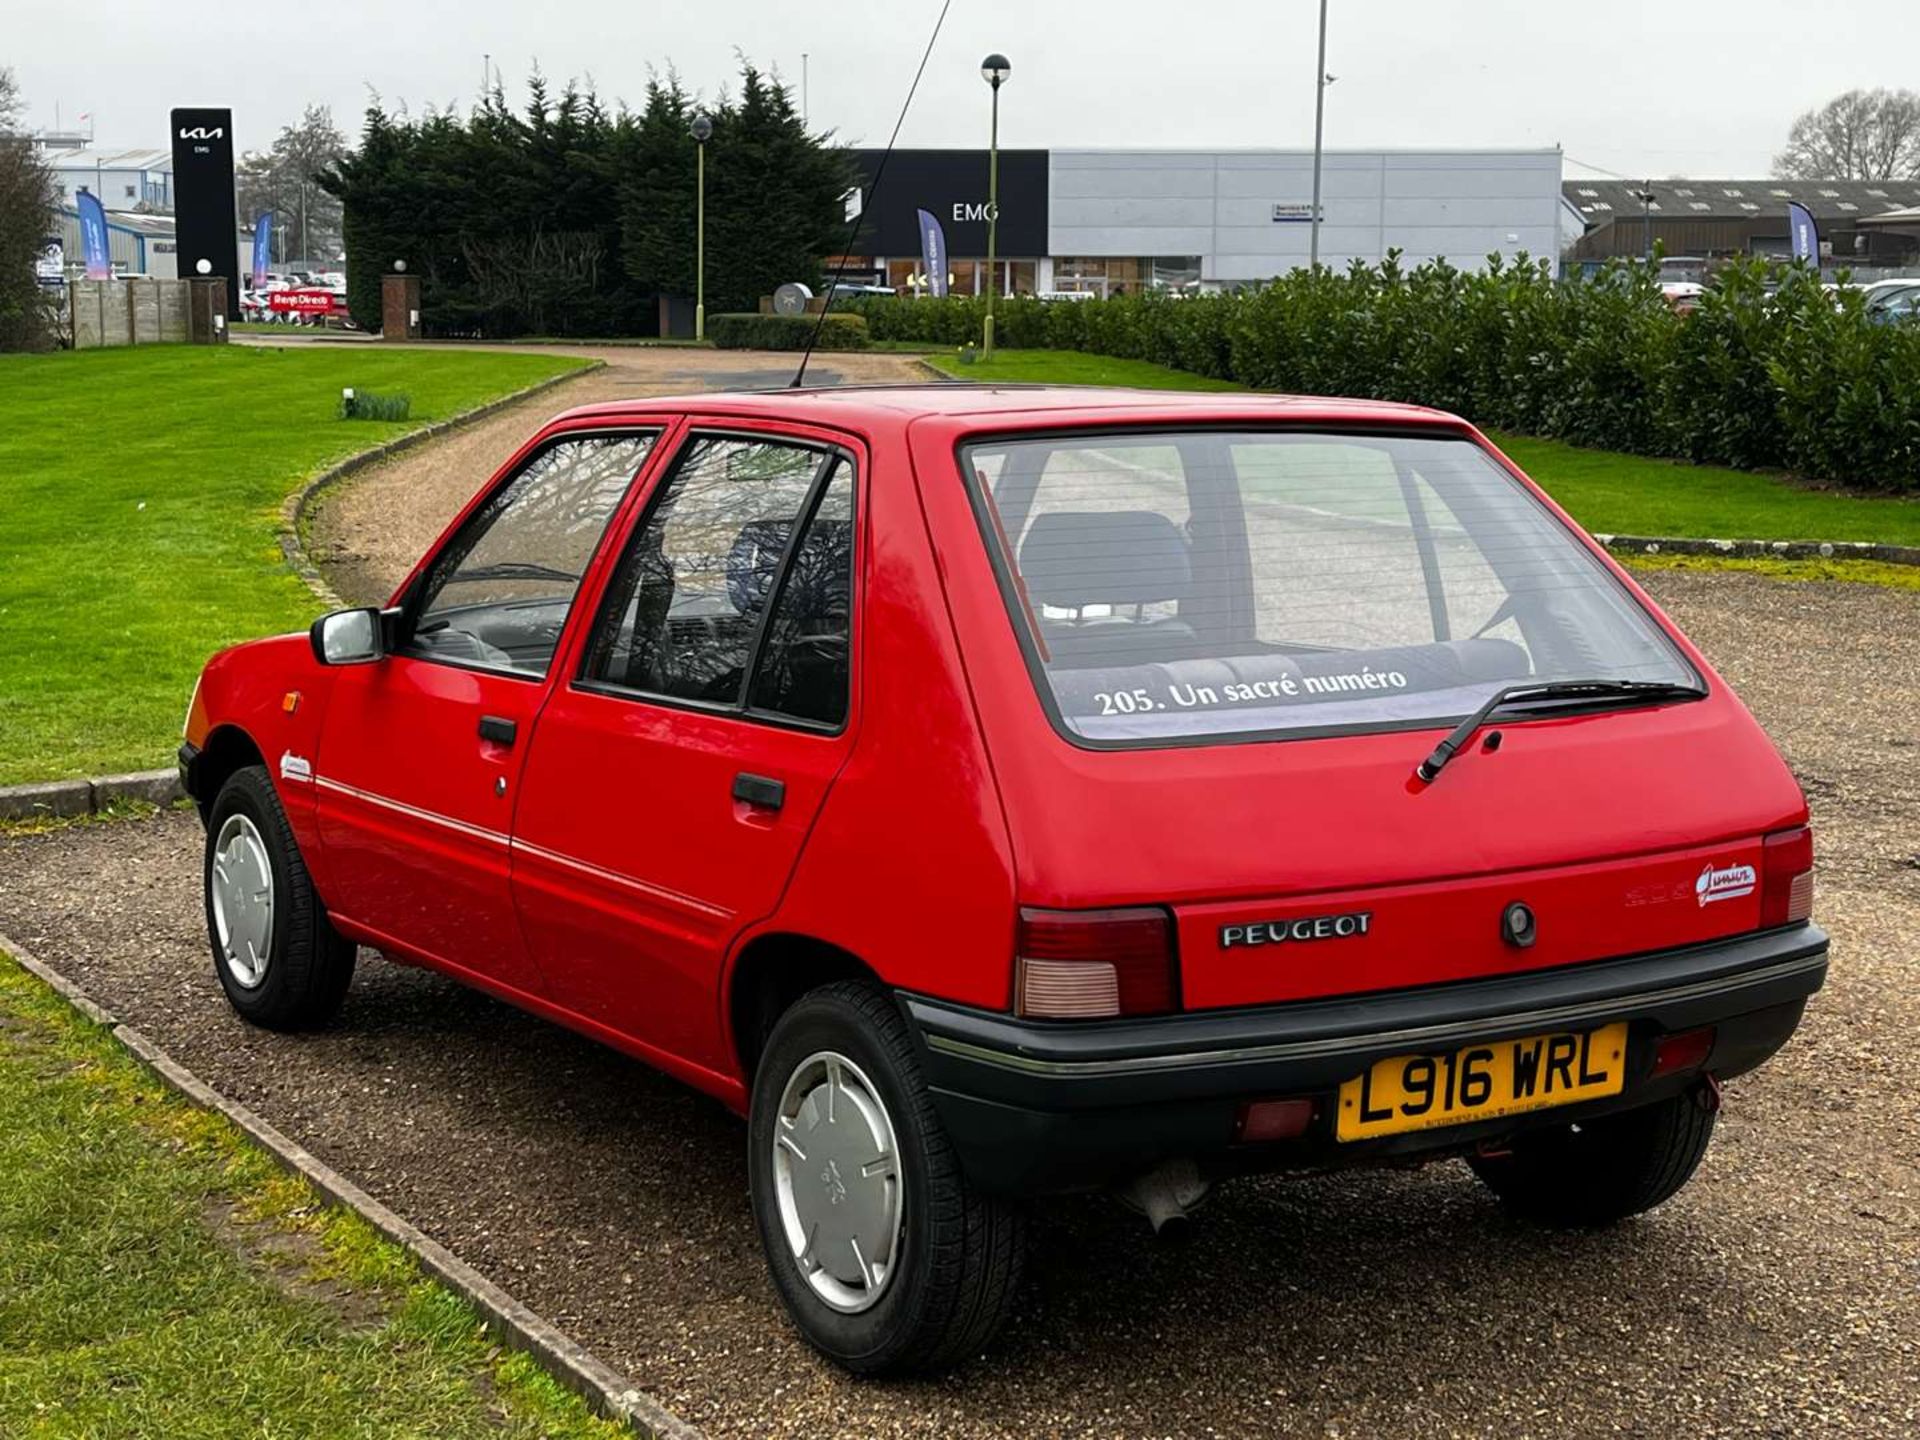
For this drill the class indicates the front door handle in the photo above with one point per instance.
(498, 729)
(759, 791)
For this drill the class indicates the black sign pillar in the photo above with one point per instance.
(205, 225)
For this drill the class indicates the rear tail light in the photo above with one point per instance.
(1088, 964)
(1786, 877)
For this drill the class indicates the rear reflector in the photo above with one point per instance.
(1786, 877)
(1089, 964)
(1687, 1050)
(1266, 1120)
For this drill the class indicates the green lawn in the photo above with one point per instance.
(139, 500)
(1633, 495)
(162, 1279)
(1603, 490)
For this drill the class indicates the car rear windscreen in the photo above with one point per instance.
(1235, 583)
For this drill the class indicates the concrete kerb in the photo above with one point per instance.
(605, 1390)
(66, 799)
(1763, 549)
(293, 511)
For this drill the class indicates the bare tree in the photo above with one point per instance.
(1861, 135)
(281, 181)
(26, 219)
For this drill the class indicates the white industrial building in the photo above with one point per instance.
(123, 179)
(1106, 221)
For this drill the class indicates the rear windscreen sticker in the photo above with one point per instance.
(1281, 690)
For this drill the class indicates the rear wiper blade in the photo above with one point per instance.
(1531, 690)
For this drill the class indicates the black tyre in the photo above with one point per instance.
(277, 956)
(885, 1255)
(1604, 1170)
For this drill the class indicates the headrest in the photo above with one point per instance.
(1073, 558)
(817, 583)
(753, 562)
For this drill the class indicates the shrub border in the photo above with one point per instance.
(606, 1391)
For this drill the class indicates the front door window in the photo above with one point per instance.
(497, 596)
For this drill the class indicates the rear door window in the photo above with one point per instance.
(1175, 586)
(741, 571)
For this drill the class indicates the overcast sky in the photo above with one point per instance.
(1639, 87)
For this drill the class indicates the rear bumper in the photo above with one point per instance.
(1037, 1106)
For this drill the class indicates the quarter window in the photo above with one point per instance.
(499, 593)
(714, 577)
(803, 669)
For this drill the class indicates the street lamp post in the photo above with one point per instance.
(994, 70)
(702, 131)
(1319, 130)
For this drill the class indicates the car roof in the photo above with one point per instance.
(1017, 406)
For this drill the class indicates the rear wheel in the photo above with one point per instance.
(1600, 1171)
(278, 958)
(884, 1254)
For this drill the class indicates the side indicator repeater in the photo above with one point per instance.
(290, 702)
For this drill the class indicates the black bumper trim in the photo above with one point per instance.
(1035, 1107)
(1750, 971)
(187, 754)
(1410, 1038)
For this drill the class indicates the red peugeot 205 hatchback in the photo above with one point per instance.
(997, 792)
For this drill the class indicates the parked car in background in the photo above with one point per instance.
(996, 792)
(849, 289)
(1893, 300)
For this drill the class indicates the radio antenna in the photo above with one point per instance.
(879, 173)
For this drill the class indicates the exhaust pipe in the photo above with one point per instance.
(1166, 1195)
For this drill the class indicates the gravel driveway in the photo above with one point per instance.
(1779, 1295)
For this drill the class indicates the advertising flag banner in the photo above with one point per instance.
(933, 254)
(93, 235)
(262, 244)
(1806, 234)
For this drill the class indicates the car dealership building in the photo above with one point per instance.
(1113, 221)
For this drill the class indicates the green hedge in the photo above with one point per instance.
(1771, 371)
(786, 332)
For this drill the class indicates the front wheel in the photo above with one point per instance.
(1601, 1171)
(883, 1252)
(278, 957)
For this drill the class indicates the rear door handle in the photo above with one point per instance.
(759, 791)
(498, 729)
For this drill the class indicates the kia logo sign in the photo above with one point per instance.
(203, 132)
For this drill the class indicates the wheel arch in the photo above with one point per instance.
(228, 748)
(771, 972)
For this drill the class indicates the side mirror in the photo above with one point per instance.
(348, 637)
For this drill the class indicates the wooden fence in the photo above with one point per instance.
(128, 312)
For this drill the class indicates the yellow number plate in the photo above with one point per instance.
(1483, 1082)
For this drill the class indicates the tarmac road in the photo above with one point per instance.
(1779, 1295)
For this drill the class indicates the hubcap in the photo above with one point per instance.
(836, 1173)
(241, 888)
